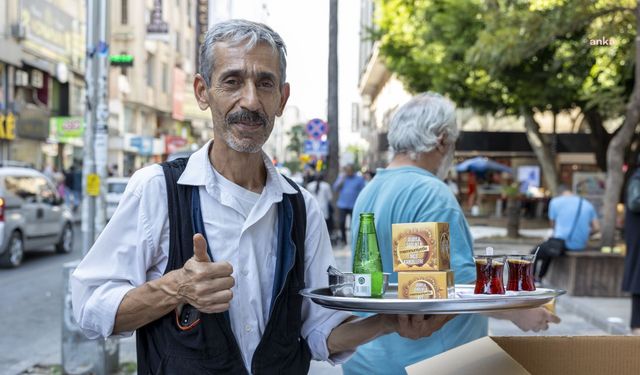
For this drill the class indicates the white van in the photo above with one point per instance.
(32, 215)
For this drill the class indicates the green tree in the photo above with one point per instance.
(521, 57)
(296, 140)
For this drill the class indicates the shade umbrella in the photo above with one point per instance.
(481, 164)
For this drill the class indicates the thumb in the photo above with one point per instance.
(200, 248)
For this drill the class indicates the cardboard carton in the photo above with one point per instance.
(547, 355)
(426, 285)
(420, 246)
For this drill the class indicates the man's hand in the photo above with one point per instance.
(415, 326)
(204, 284)
(536, 319)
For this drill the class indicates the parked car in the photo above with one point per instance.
(32, 215)
(115, 189)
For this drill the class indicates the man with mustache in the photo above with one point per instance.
(205, 257)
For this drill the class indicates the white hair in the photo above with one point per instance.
(236, 32)
(416, 126)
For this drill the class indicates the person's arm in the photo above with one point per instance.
(337, 185)
(355, 331)
(595, 226)
(201, 283)
(536, 319)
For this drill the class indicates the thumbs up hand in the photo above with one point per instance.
(204, 284)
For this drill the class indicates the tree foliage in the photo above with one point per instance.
(500, 56)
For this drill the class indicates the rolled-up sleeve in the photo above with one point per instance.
(318, 322)
(128, 253)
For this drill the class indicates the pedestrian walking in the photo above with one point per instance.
(321, 190)
(631, 279)
(422, 136)
(348, 186)
(205, 257)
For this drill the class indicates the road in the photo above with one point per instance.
(31, 309)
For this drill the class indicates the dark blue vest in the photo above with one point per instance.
(209, 346)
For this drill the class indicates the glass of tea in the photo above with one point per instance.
(520, 273)
(489, 270)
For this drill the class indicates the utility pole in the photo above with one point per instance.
(79, 354)
(333, 166)
(101, 136)
(88, 160)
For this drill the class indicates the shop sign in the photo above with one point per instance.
(144, 145)
(65, 129)
(33, 123)
(49, 30)
(7, 126)
(157, 29)
(202, 24)
(174, 143)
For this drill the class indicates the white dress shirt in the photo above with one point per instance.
(241, 227)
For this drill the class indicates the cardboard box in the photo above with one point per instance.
(420, 246)
(547, 355)
(426, 285)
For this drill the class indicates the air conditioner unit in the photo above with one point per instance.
(18, 31)
(22, 78)
(37, 79)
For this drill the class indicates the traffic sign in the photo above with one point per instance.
(93, 185)
(316, 128)
(314, 147)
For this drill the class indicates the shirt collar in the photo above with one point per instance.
(198, 173)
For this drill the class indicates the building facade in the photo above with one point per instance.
(153, 111)
(41, 80)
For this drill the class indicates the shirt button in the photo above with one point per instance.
(244, 272)
(247, 328)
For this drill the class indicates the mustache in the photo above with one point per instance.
(247, 116)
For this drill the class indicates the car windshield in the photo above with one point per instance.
(117, 187)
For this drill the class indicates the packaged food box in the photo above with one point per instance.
(420, 246)
(426, 285)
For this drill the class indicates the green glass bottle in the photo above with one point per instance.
(367, 264)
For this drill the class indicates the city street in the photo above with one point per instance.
(32, 309)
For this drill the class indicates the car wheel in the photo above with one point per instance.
(65, 245)
(15, 252)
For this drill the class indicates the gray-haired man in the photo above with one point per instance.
(205, 257)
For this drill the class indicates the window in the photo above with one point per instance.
(178, 44)
(129, 125)
(165, 79)
(149, 70)
(124, 12)
(25, 187)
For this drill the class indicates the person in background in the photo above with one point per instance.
(348, 185)
(321, 190)
(631, 279)
(573, 220)
(422, 136)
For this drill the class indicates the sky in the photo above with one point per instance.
(304, 26)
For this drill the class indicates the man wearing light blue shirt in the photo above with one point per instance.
(348, 185)
(573, 219)
(422, 136)
(564, 210)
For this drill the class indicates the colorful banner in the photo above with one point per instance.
(65, 129)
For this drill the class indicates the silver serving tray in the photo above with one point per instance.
(465, 302)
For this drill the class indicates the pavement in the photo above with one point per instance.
(580, 315)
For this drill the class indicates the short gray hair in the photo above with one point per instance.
(236, 32)
(416, 126)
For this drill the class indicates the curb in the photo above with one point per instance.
(611, 326)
